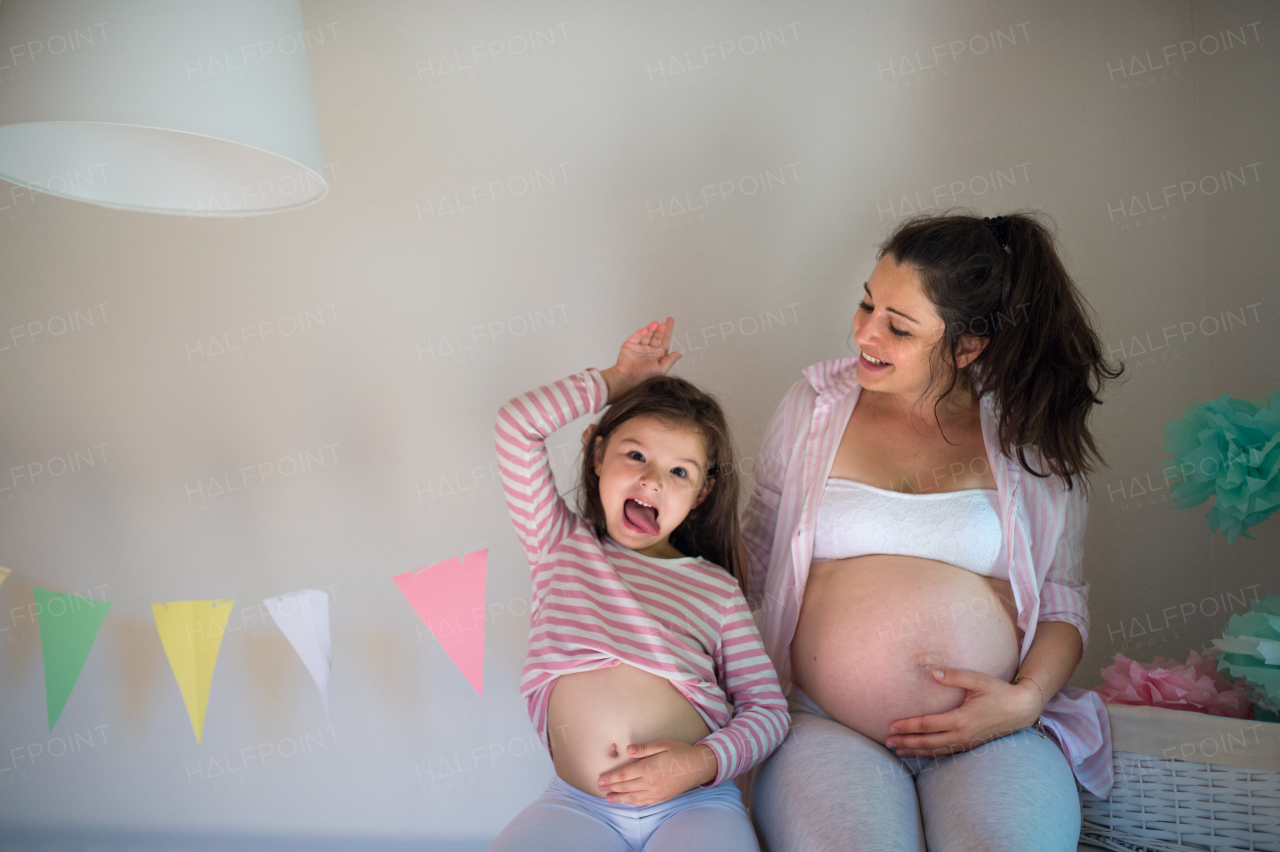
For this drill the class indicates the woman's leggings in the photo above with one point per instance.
(565, 819)
(828, 787)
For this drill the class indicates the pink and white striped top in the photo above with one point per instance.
(1042, 524)
(597, 603)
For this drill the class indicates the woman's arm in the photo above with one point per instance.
(1048, 665)
(1064, 595)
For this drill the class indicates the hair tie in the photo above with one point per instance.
(1000, 227)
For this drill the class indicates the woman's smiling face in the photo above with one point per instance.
(896, 328)
(651, 476)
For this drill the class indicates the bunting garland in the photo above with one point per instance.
(191, 632)
(68, 626)
(448, 596)
(303, 618)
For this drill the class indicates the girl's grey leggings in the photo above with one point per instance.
(828, 788)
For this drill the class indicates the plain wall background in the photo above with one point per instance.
(540, 284)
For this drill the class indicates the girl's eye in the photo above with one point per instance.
(636, 455)
(679, 471)
(899, 331)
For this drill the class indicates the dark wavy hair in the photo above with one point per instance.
(710, 530)
(1043, 362)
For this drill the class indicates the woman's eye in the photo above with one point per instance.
(863, 304)
(899, 331)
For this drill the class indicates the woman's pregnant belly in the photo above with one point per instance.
(873, 628)
(593, 716)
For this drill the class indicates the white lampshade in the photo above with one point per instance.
(170, 106)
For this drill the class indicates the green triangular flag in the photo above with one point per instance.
(68, 626)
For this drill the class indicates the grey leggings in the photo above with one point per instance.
(829, 788)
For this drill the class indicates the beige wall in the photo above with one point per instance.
(354, 300)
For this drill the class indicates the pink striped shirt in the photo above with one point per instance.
(1042, 524)
(597, 603)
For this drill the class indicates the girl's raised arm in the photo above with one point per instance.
(538, 511)
(525, 422)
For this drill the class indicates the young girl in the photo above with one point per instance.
(637, 633)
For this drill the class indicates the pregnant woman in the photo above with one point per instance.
(915, 537)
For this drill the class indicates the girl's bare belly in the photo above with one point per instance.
(873, 628)
(593, 716)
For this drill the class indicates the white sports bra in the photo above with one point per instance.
(957, 527)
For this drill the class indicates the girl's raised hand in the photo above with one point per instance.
(644, 354)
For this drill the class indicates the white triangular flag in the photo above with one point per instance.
(303, 617)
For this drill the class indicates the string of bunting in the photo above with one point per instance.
(191, 631)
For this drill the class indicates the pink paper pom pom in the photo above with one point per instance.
(1195, 685)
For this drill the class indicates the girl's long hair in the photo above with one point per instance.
(710, 530)
(1002, 280)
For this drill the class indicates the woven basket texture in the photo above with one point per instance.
(1175, 805)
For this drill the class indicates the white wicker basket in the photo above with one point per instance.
(1187, 781)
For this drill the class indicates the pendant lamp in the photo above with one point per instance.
(169, 106)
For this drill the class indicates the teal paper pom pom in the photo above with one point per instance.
(1228, 449)
(1250, 648)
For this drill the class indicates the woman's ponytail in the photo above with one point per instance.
(1002, 280)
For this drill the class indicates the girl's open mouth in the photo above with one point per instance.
(641, 516)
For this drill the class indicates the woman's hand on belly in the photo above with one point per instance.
(663, 770)
(992, 709)
(873, 628)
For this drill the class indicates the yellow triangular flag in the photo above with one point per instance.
(4, 572)
(191, 632)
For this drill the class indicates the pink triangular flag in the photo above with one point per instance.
(449, 598)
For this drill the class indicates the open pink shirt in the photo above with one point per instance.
(1041, 521)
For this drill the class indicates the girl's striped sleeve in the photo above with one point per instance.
(539, 513)
(760, 715)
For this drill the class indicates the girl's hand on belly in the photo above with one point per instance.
(991, 709)
(664, 770)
